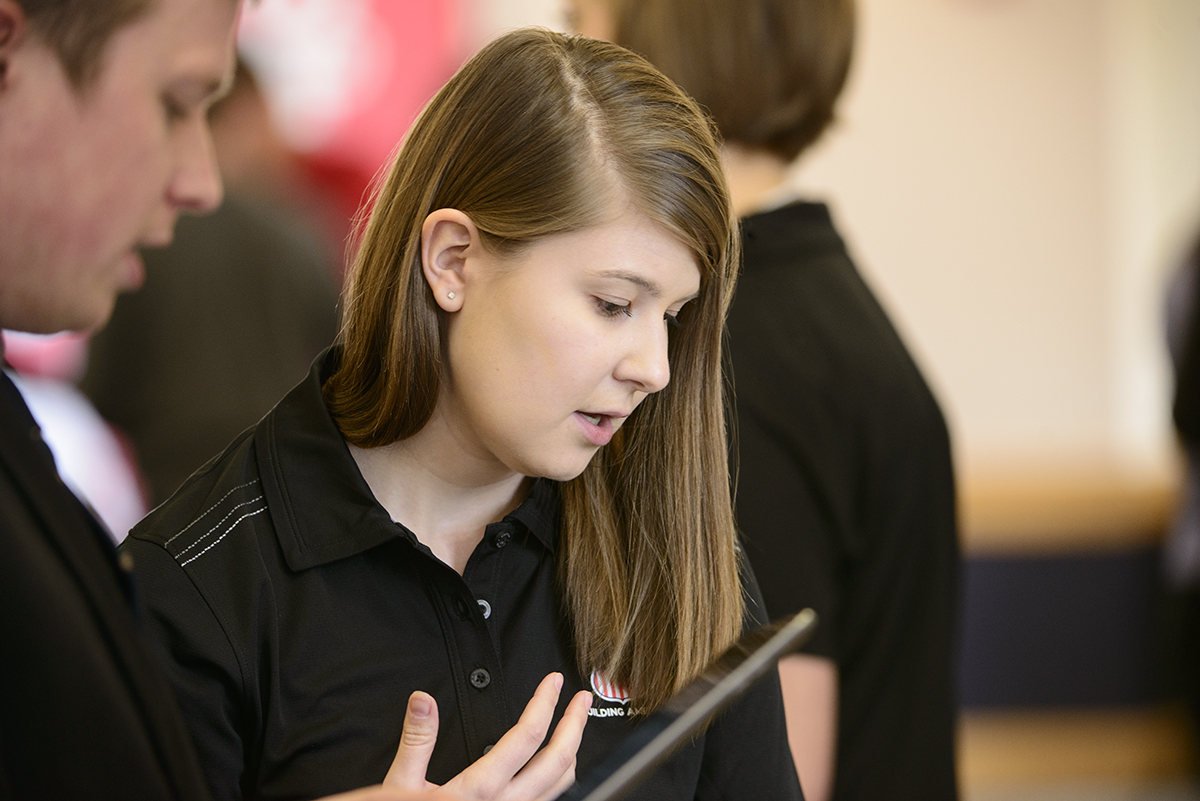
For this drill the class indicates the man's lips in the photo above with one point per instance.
(133, 272)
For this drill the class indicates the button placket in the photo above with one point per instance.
(483, 713)
(481, 573)
(462, 609)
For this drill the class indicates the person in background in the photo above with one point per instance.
(844, 486)
(511, 469)
(1181, 549)
(231, 315)
(103, 143)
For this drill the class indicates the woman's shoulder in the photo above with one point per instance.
(216, 499)
(202, 558)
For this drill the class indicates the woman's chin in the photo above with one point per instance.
(564, 471)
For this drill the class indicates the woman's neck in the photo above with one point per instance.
(446, 506)
(757, 179)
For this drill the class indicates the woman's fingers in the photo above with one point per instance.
(514, 768)
(416, 744)
(552, 770)
(490, 777)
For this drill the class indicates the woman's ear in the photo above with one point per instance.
(12, 33)
(448, 238)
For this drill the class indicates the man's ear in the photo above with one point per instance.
(13, 25)
(448, 238)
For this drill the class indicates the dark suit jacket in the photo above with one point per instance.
(84, 710)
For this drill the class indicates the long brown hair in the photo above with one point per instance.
(528, 140)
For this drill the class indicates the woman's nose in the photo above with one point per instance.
(646, 364)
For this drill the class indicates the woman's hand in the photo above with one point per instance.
(514, 769)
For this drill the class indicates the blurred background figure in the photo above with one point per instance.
(231, 315)
(845, 488)
(1182, 546)
(345, 78)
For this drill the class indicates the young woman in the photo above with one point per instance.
(509, 472)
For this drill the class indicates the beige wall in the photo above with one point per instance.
(1016, 177)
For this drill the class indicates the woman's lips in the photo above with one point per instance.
(598, 428)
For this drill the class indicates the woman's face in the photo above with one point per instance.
(553, 348)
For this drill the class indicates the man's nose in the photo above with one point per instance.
(196, 184)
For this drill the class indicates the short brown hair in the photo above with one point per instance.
(768, 71)
(541, 134)
(78, 31)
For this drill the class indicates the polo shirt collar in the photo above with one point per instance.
(800, 231)
(321, 506)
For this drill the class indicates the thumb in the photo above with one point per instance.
(416, 744)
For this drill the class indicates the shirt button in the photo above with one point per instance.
(480, 678)
(486, 607)
(503, 539)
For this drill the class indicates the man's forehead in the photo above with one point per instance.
(191, 38)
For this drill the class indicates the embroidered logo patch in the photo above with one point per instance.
(608, 690)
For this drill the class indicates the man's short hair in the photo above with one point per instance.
(78, 31)
(768, 71)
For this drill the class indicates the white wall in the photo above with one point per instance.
(1016, 177)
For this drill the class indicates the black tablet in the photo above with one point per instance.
(676, 721)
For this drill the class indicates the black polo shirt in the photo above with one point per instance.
(846, 499)
(295, 618)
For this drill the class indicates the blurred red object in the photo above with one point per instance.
(345, 78)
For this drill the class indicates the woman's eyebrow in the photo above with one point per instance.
(651, 288)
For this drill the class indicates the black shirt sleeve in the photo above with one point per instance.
(789, 543)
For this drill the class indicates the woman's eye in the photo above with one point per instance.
(610, 309)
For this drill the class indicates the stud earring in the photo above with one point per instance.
(450, 295)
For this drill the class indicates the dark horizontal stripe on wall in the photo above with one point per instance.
(1063, 630)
